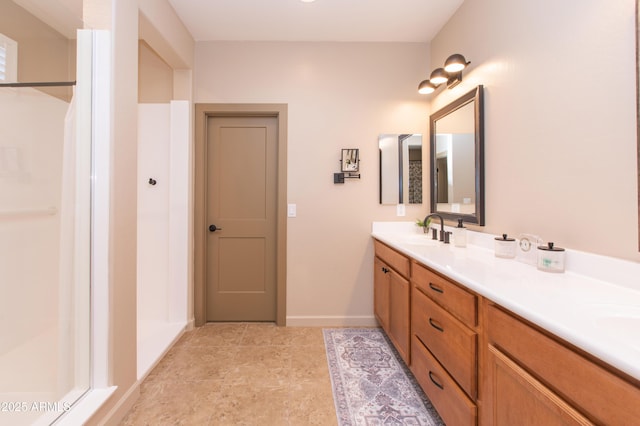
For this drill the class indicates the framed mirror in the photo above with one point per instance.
(350, 160)
(457, 159)
(400, 168)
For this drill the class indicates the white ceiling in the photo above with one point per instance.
(322, 20)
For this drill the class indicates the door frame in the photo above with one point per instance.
(202, 113)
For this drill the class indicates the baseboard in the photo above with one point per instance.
(331, 321)
(160, 342)
(191, 324)
(85, 408)
(119, 411)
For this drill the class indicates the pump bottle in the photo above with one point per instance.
(460, 235)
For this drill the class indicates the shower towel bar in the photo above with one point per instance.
(40, 84)
(46, 211)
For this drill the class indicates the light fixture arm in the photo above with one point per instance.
(454, 79)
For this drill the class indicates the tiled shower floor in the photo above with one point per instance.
(239, 374)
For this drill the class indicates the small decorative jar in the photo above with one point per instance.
(550, 258)
(505, 247)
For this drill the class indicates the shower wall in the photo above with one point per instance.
(38, 243)
(153, 212)
(163, 176)
(31, 145)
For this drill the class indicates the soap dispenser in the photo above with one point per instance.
(460, 235)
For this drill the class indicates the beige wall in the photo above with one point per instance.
(555, 146)
(43, 53)
(559, 114)
(165, 33)
(122, 17)
(155, 81)
(340, 95)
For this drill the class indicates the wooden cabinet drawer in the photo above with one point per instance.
(454, 344)
(394, 259)
(604, 397)
(452, 404)
(460, 302)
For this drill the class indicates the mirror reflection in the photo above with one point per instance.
(455, 162)
(457, 157)
(400, 168)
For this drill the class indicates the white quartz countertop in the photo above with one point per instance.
(594, 304)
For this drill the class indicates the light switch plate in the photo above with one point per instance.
(400, 210)
(291, 210)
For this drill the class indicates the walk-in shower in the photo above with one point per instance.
(45, 212)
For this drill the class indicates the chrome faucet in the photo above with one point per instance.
(442, 233)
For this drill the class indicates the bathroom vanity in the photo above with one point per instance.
(495, 341)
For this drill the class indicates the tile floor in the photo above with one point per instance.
(239, 374)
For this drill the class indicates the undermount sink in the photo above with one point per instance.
(419, 239)
(621, 322)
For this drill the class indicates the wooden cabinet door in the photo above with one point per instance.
(381, 281)
(399, 315)
(516, 398)
(599, 394)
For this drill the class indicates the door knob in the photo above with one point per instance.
(213, 228)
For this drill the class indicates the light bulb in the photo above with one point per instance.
(455, 63)
(426, 87)
(438, 76)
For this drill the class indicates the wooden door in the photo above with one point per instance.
(240, 204)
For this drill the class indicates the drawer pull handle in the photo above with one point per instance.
(435, 382)
(436, 326)
(436, 289)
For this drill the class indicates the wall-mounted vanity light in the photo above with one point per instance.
(451, 74)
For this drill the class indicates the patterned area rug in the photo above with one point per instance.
(371, 384)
